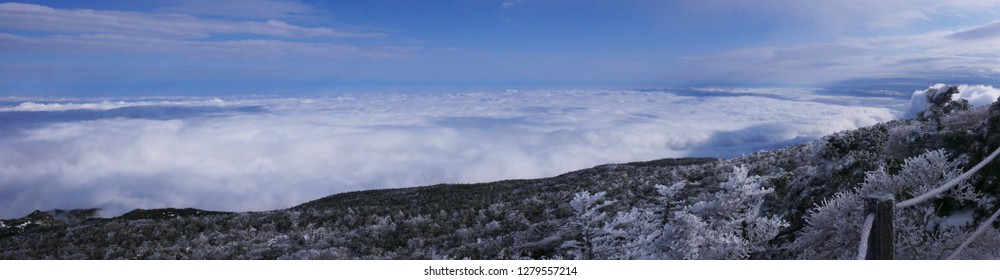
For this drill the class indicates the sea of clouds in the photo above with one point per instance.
(263, 153)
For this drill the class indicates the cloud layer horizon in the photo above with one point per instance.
(251, 154)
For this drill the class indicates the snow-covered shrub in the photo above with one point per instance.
(629, 235)
(936, 101)
(965, 120)
(900, 140)
(587, 225)
(726, 226)
(833, 230)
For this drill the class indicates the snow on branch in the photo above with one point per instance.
(935, 192)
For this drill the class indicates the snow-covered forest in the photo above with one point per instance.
(798, 202)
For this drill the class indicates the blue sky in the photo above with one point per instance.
(114, 48)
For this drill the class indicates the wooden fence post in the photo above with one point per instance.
(880, 243)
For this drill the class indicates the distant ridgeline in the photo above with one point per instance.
(799, 202)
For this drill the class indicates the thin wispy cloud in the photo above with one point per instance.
(258, 9)
(924, 55)
(44, 30)
(899, 19)
(509, 4)
(848, 17)
(30, 17)
(237, 49)
(985, 32)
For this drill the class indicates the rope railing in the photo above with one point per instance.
(947, 185)
(988, 223)
(880, 242)
(866, 230)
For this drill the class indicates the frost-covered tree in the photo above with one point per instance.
(629, 234)
(596, 235)
(728, 225)
(833, 230)
(587, 224)
(937, 101)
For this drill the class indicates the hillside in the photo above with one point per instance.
(779, 204)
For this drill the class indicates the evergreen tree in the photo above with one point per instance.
(587, 224)
(728, 225)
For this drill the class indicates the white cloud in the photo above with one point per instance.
(931, 54)
(977, 95)
(509, 4)
(68, 31)
(848, 17)
(260, 9)
(104, 105)
(30, 17)
(301, 149)
(834, 41)
(251, 48)
(988, 31)
(899, 19)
